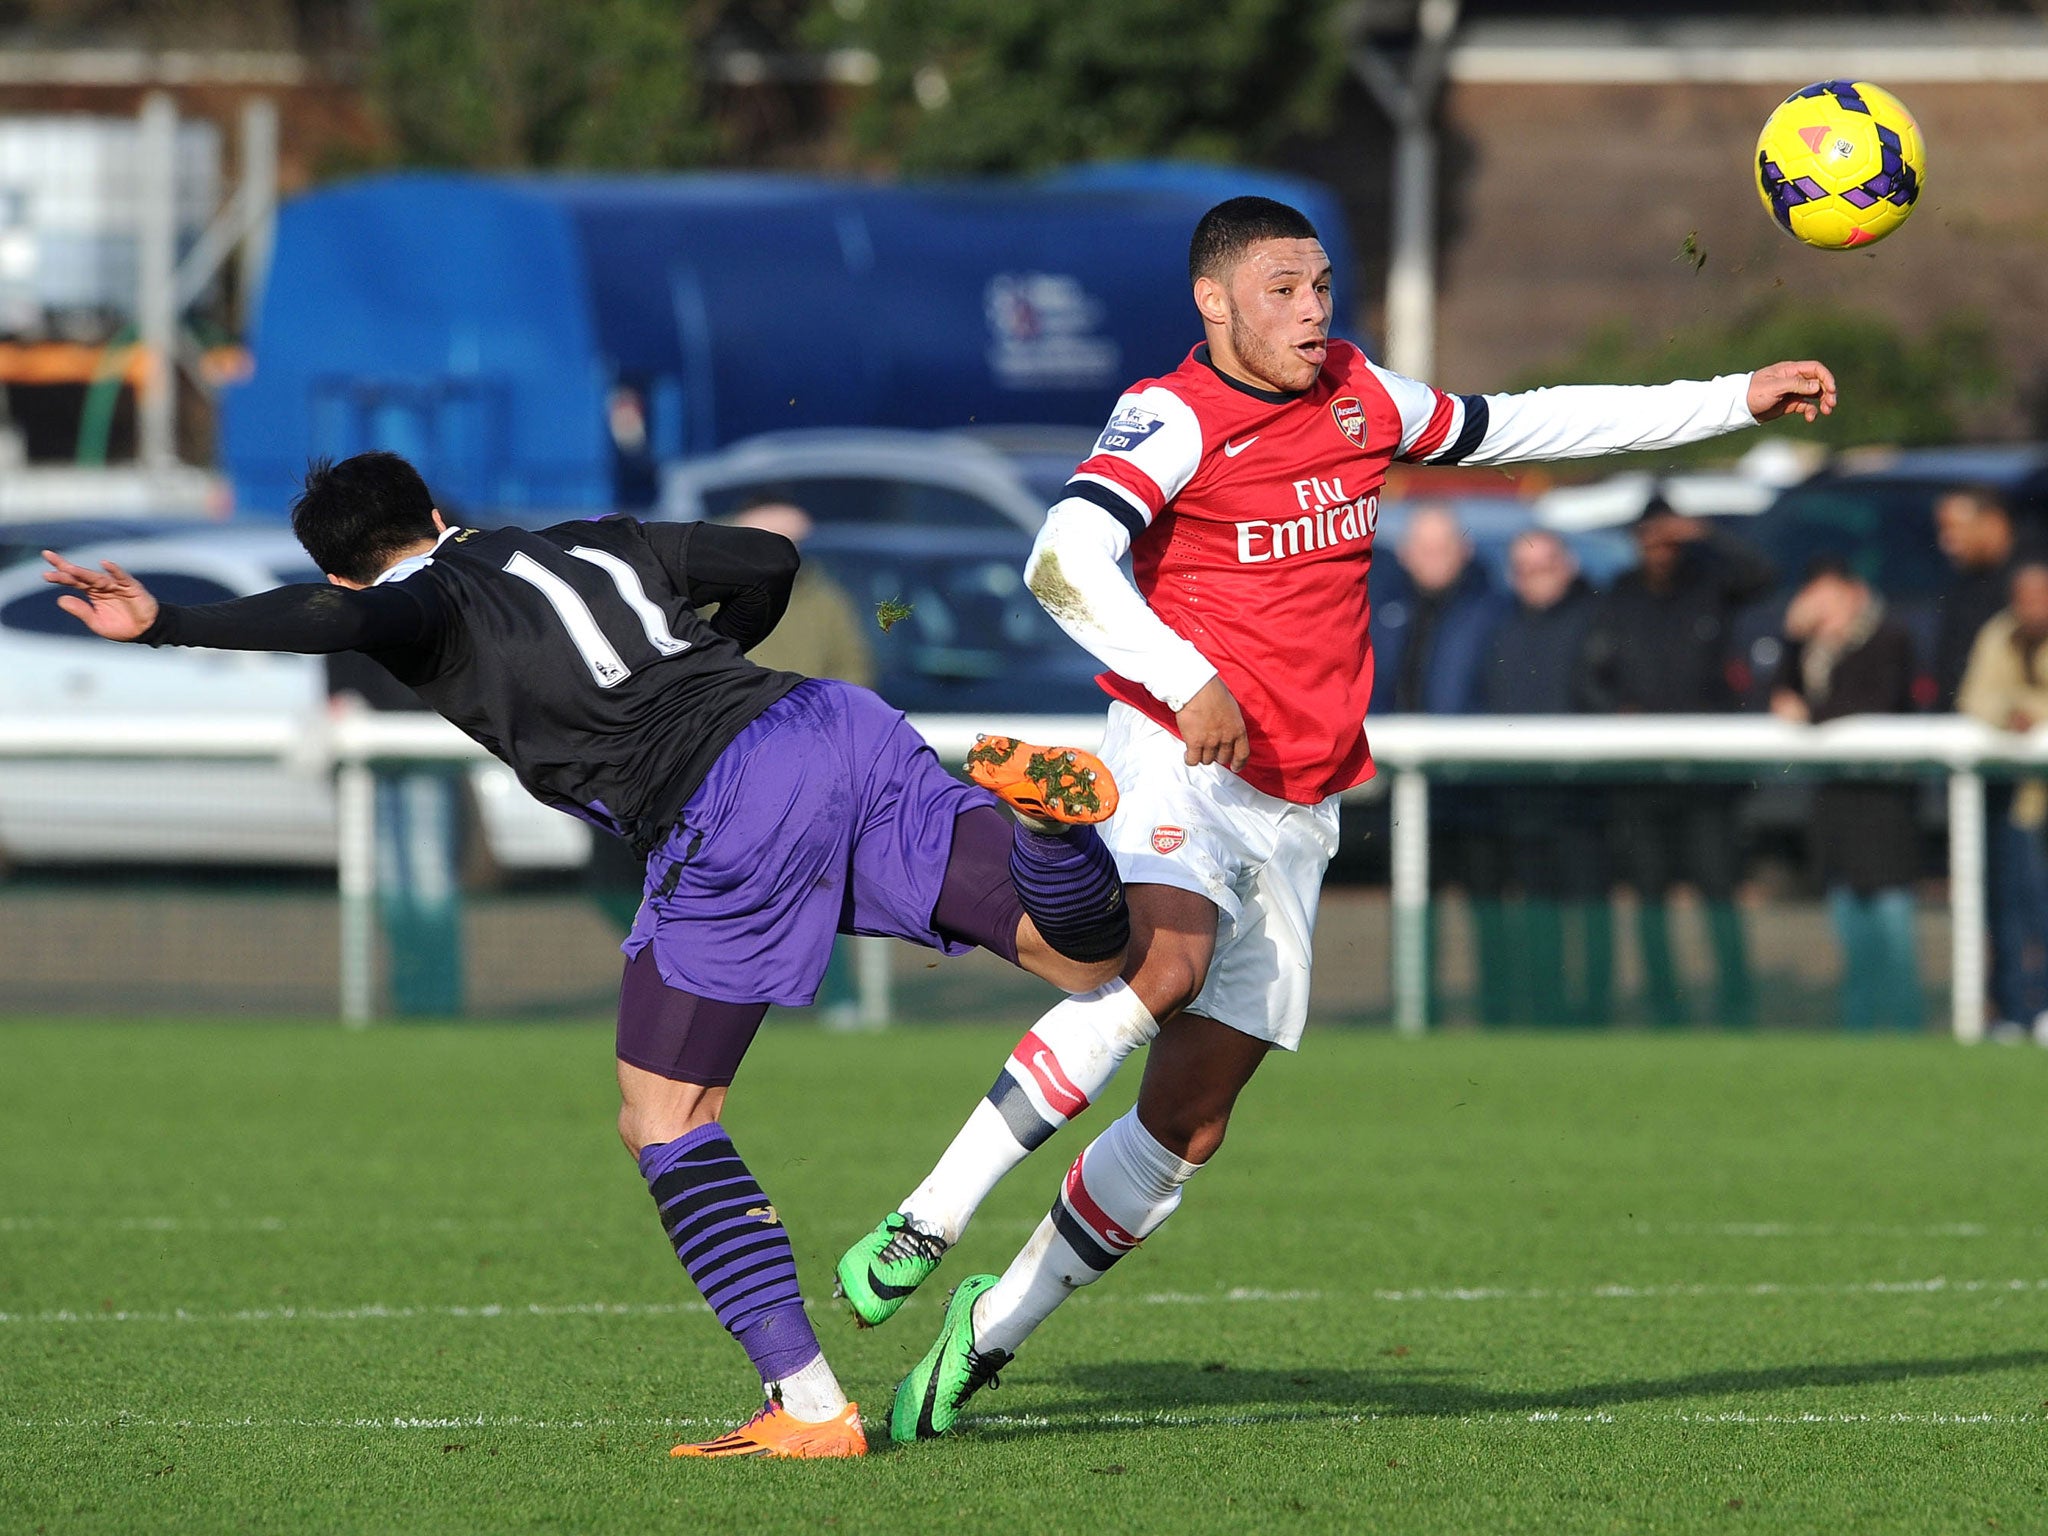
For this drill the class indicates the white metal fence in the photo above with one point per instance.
(1409, 749)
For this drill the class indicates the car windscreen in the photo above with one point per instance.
(1883, 529)
(37, 612)
(862, 499)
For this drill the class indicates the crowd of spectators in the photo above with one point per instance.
(1538, 862)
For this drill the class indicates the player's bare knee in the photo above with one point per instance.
(1166, 981)
(629, 1130)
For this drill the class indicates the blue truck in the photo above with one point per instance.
(546, 343)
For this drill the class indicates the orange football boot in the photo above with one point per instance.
(772, 1432)
(1046, 783)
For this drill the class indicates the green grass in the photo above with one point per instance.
(1466, 1284)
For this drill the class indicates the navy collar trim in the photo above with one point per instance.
(1270, 396)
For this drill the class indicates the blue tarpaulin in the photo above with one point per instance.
(539, 342)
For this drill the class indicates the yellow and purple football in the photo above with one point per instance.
(1840, 164)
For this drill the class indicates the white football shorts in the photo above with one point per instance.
(1259, 859)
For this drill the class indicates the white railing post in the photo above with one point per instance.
(1966, 903)
(872, 981)
(355, 817)
(1410, 858)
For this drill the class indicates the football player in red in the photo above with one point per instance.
(1245, 486)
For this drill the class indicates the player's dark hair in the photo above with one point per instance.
(1231, 228)
(352, 517)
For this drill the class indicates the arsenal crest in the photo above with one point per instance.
(1166, 839)
(1350, 414)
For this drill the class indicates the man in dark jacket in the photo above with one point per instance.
(1429, 635)
(1552, 842)
(1974, 527)
(1843, 656)
(1659, 645)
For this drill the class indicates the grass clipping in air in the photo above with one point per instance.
(891, 612)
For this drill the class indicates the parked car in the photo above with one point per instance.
(975, 639)
(26, 539)
(159, 812)
(1877, 512)
(1875, 509)
(860, 475)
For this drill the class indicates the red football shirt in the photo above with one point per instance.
(1252, 516)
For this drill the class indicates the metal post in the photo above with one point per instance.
(355, 796)
(1411, 265)
(156, 258)
(1410, 854)
(1966, 903)
(871, 973)
(1409, 99)
(258, 196)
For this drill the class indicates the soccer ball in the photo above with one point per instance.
(1840, 164)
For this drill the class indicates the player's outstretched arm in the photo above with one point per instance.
(109, 602)
(1787, 389)
(309, 620)
(1572, 421)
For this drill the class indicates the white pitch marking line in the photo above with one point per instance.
(1810, 1229)
(1163, 1418)
(1240, 1295)
(1938, 1285)
(455, 1224)
(376, 1312)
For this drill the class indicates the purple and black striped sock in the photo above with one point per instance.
(1068, 884)
(732, 1242)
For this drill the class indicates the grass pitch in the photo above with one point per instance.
(283, 1278)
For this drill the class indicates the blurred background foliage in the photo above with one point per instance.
(515, 84)
(965, 85)
(1934, 387)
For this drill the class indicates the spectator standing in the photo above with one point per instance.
(1844, 656)
(1552, 846)
(1659, 645)
(1973, 525)
(2006, 685)
(1429, 643)
(821, 635)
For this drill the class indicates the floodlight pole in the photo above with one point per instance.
(1410, 101)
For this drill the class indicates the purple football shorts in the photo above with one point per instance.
(828, 814)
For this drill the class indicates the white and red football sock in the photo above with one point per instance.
(1057, 1069)
(1115, 1196)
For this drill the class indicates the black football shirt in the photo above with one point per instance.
(577, 653)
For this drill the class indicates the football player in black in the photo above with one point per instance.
(773, 811)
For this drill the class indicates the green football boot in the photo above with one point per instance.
(929, 1399)
(878, 1273)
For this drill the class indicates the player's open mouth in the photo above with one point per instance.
(1315, 350)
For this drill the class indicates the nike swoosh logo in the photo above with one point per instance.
(1232, 450)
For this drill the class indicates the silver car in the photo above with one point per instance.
(159, 812)
(878, 475)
